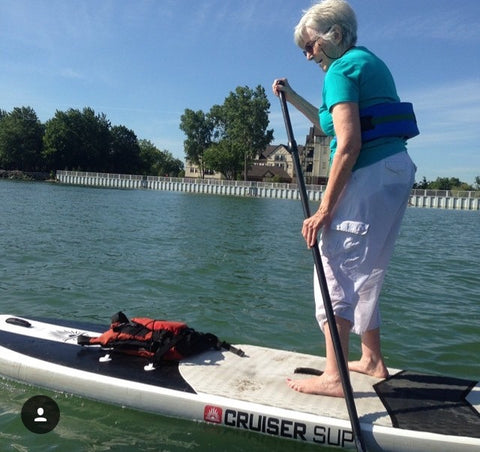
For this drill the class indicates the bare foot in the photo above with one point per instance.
(322, 385)
(371, 368)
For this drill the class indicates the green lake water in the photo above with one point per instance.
(236, 267)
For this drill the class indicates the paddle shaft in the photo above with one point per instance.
(347, 387)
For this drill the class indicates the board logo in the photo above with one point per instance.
(213, 414)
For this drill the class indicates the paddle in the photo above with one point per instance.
(347, 388)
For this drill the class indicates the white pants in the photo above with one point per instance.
(358, 245)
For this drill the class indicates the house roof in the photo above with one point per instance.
(261, 172)
(314, 132)
(270, 149)
(273, 148)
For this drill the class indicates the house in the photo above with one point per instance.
(315, 159)
(276, 163)
(276, 156)
(267, 173)
(193, 171)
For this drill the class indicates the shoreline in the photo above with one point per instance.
(26, 175)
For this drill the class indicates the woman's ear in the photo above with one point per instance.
(337, 34)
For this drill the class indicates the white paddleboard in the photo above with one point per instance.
(409, 411)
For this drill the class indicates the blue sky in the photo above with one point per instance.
(143, 62)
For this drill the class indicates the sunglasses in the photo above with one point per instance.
(309, 46)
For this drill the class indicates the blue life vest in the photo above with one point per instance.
(388, 120)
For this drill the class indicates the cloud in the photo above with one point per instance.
(448, 113)
(455, 24)
(72, 74)
(448, 118)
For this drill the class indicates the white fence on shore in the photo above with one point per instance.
(420, 198)
(445, 199)
(188, 185)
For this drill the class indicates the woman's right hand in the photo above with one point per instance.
(281, 84)
(312, 225)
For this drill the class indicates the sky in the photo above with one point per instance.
(143, 62)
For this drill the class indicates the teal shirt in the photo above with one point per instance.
(361, 77)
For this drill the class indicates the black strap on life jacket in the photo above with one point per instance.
(156, 340)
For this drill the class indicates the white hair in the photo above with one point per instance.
(323, 17)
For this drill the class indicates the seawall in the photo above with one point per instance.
(438, 199)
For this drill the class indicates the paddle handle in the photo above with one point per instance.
(347, 387)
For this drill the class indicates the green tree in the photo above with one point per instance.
(168, 165)
(449, 183)
(246, 112)
(224, 157)
(198, 128)
(21, 140)
(240, 131)
(60, 142)
(422, 185)
(77, 140)
(149, 155)
(96, 139)
(124, 151)
(158, 163)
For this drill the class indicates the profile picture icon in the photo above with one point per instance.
(40, 418)
(40, 414)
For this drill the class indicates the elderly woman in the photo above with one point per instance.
(370, 179)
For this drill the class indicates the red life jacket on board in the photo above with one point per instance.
(155, 339)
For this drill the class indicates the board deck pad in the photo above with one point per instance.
(430, 403)
(262, 379)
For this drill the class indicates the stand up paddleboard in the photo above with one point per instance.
(408, 411)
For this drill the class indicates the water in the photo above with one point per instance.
(234, 266)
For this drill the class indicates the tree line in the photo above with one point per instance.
(78, 140)
(447, 183)
(226, 139)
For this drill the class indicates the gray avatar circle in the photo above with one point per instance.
(40, 414)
